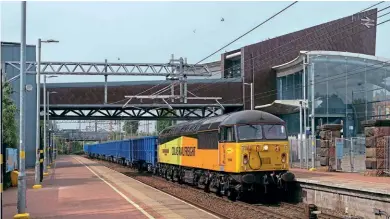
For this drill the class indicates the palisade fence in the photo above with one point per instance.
(349, 154)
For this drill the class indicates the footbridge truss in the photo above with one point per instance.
(107, 68)
(138, 112)
(171, 100)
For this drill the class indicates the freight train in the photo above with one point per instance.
(239, 153)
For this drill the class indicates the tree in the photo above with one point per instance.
(164, 123)
(9, 127)
(131, 127)
(10, 137)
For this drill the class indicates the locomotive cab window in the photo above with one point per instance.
(249, 132)
(227, 134)
(274, 132)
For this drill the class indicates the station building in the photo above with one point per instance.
(331, 67)
(339, 88)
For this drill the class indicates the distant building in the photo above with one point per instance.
(11, 52)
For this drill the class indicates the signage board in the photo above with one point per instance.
(12, 159)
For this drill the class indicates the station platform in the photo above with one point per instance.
(351, 181)
(80, 188)
(350, 193)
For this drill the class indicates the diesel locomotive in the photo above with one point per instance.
(233, 154)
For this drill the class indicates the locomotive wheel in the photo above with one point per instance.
(232, 194)
(180, 178)
(219, 192)
(207, 186)
(172, 176)
(166, 175)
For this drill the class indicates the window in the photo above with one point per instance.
(227, 134)
(274, 132)
(249, 132)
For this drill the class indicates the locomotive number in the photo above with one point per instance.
(183, 151)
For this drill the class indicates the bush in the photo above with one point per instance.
(9, 125)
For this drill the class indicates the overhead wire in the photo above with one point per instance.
(275, 90)
(329, 24)
(286, 52)
(270, 18)
(254, 28)
(255, 56)
(290, 43)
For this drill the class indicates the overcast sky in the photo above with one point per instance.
(151, 31)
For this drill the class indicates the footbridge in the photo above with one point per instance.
(86, 101)
(176, 98)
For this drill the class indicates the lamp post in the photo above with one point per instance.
(37, 132)
(48, 122)
(45, 173)
(251, 85)
(21, 203)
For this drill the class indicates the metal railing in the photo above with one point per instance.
(349, 154)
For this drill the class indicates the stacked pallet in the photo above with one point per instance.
(327, 150)
(377, 133)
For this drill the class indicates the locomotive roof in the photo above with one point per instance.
(241, 117)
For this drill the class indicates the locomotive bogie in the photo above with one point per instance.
(232, 185)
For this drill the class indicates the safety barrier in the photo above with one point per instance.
(350, 154)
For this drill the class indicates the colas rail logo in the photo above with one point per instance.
(165, 151)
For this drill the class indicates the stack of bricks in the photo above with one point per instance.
(377, 133)
(327, 150)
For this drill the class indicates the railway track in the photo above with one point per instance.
(221, 206)
(261, 211)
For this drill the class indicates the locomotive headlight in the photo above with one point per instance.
(265, 147)
(245, 159)
(284, 158)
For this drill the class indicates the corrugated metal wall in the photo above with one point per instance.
(11, 52)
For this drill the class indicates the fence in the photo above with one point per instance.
(387, 156)
(301, 153)
(349, 154)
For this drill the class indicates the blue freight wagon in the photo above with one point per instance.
(85, 149)
(140, 152)
(144, 152)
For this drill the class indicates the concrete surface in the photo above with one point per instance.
(73, 190)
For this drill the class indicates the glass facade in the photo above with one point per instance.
(290, 86)
(347, 89)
